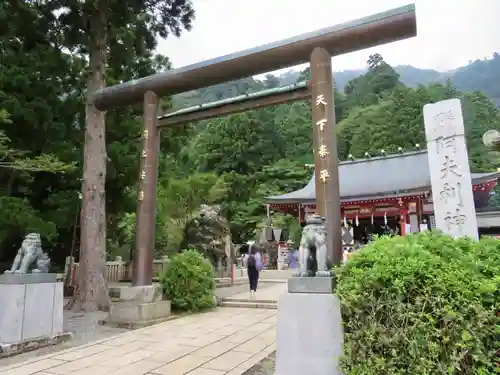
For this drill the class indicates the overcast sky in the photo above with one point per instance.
(450, 33)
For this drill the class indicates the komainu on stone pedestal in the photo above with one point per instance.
(207, 232)
(313, 254)
(30, 253)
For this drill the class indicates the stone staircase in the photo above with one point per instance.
(267, 297)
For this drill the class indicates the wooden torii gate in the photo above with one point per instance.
(317, 48)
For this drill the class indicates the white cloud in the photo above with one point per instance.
(450, 33)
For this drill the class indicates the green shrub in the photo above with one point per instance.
(423, 304)
(188, 282)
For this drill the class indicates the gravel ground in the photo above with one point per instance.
(86, 327)
(264, 367)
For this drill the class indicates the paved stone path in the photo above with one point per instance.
(86, 328)
(225, 341)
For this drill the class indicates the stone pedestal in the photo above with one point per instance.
(309, 333)
(311, 285)
(31, 312)
(137, 306)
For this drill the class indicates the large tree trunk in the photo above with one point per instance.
(93, 289)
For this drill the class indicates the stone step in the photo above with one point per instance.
(257, 300)
(253, 304)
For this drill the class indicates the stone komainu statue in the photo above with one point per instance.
(30, 253)
(206, 232)
(313, 254)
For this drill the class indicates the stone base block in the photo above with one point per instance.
(28, 278)
(33, 311)
(314, 285)
(137, 324)
(9, 350)
(137, 306)
(309, 334)
(146, 293)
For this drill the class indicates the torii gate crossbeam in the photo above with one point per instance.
(381, 28)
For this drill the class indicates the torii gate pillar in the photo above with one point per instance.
(325, 150)
(146, 205)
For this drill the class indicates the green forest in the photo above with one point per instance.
(234, 162)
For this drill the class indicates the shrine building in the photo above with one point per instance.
(387, 194)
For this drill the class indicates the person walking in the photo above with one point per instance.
(253, 264)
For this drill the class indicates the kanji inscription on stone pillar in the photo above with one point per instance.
(452, 196)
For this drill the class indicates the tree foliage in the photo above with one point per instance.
(56, 53)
